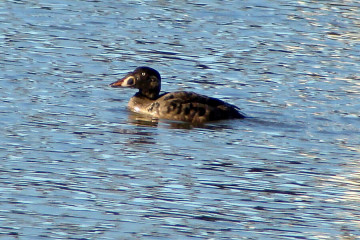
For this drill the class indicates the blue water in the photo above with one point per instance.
(77, 165)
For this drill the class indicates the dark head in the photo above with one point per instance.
(146, 79)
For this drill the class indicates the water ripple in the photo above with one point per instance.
(77, 164)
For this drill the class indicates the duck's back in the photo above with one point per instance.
(192, 107)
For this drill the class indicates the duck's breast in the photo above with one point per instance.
(140, 105)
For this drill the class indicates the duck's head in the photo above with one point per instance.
(146, 79)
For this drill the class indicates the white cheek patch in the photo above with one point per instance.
(128, 82)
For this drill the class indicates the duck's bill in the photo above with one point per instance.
(127, 81)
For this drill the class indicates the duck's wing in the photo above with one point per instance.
(193, 107)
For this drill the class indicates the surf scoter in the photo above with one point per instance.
(180, 105)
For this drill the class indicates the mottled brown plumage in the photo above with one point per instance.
(181, 106)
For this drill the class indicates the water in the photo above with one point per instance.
(77, 165)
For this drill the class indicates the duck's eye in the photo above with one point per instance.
(143, 74)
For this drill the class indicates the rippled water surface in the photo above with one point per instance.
(75, 164)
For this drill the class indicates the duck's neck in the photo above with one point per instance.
(151, 94)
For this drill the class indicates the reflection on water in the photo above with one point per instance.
(76, 164)
(148, 121)
(142, 120)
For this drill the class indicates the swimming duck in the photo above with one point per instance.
(180, 106)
